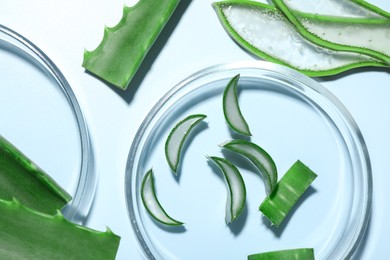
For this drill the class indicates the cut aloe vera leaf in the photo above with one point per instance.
(236, 188)
(231, 108)
(151, 203)
(29, 234)
(22, 179)
(290, 254)
(262, 30)
(369, 36)
(177, 138)
(287, 192)
(125, 45)
(259, 157)
(343, 8)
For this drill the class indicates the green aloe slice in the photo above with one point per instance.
(289, 254)
(369, 36)
(236, 188)
(259, 157)
(231, 108)
(177, 137)
(343, 8)
(151, 203)
(22, 179)
(28, 234)
(125, 45)
(262, 30)
(287, 192)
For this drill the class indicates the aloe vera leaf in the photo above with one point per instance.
(287, 192)
(367, 36)
(23, 179)
(373, 8)
(290, 254)
(236, 198)
(177, 137)
(29, 234)
(259, 157)
(343, 8)
(262, 30)
(125, 45)
(151, 203)
(231, 108)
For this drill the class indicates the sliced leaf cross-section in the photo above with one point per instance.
(236, 188)
(177, 137)
(151, 203)
(259, 157)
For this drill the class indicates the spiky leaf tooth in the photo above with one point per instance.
(22, 179)
(28, 234)
(125, 45)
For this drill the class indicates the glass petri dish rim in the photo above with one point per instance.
(304, 83)
(78, 208)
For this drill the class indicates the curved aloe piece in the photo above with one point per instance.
(177, 137)
(151, 203)
(369, 36)
(22, 179)
(236, 188)
(287, 192)
(29, 234)
(124, 46)
(343, 8)
(259, 157)
(231, 108)
(291, 254)
(262, 30)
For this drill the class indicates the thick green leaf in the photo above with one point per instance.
(287, 192)
(264, 31)
(29, 234)
(20, 178)
(369, 36)
(124, 46)
(290, 254)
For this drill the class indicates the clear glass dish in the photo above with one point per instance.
(292, 117)
(40, 115)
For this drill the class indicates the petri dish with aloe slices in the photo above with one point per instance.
(292, 117)
(41, 117)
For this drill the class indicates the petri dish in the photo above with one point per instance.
(292, 117)
(40, 116)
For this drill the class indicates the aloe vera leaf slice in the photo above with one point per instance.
(287, 192)
(22, 179)
(151, 203)
(125, 45)
(262, 30)
(290, 254)
(259, 157)
(373, 8)
(29, 234)
(342, 8)
(367, 36)
(177, 137)
(231, 108)
(236, 188)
